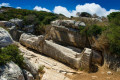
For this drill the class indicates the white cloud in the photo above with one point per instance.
(61, 10)
(18, 8)
(91, 8)
(38, 8)
(5, 4)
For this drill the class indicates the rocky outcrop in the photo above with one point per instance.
(67, 36)
(97, 57)
(112, 61)
(57, 44)
(68, 23)
(86, 59)
(17, 22)
(11, 71)
(54, 70)
(6, 24)
(5, 38)
(30, 67)
(32, 41)
(29, 28)
(102, 54)
(27, 75)
(99, 43)
(15, 33)
(68, 55)
(61, 53)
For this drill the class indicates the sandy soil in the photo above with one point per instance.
(101, 74)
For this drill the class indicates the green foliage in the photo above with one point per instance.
(4, 58)
(1, 17)
(37, 18)
(113, 15)
(40, 29)
(113, 36)
(85, 14)
(40, 69)
(30, 19)
(11, 53)
(113, 32)
(94, 30)
(83, 30)
(81, 69)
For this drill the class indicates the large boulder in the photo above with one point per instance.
(6, 24)
(32, 41)
(16, 21)
(86, 59)
(15, 33)
(27, 75)
(112, 61)
(61, 53)
(69, 55)
(11, 71)
(68, 23)
(97, 57)
(5, 38)
(67, 36)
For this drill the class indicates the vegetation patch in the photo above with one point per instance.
(11, 53)
(113, 32)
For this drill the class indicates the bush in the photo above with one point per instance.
(113, 15)
(30, 19)
(85, 14)
(114, 39)
(10, 53)
(113, 32)
(41, 69)
(94, 30)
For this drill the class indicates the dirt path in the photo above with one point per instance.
(102, 74)
(55, 70)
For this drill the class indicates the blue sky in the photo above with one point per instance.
(66, 7)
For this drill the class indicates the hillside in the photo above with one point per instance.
(43, 45)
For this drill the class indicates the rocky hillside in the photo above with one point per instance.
(34, 48)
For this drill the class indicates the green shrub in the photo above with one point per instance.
(83, 30)
(85, 14)
(114, 39)
(30, 19)
(113, 15)
(11, 53)
(94, 30)
(113, 32)
(40, 69)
